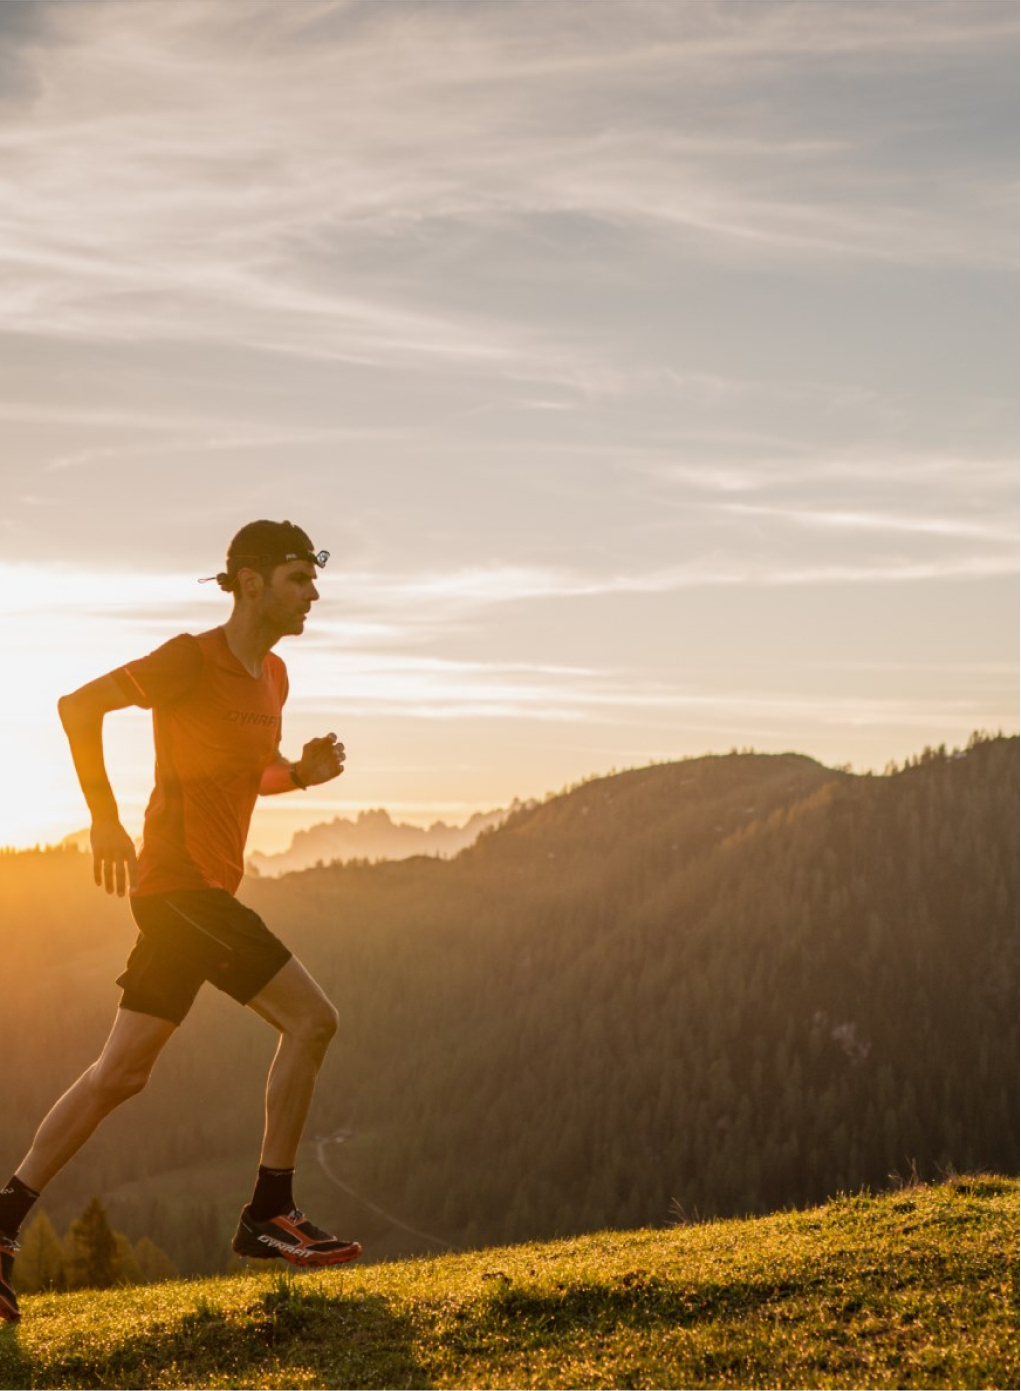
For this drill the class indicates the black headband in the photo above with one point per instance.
(224, 579)
(278, 558)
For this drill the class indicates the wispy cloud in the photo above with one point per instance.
(245, 147)
(769, 459)
(390, 609)
(878, 522)
(453, 691)
(435, 597)
(223, 441)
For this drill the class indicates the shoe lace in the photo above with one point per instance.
(308, 1228)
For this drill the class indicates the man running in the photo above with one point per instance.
(216, 699)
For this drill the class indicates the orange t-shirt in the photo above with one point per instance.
(216, 728)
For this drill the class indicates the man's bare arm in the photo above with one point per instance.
(320, 761)
(81, 714)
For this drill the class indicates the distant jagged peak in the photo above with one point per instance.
(372, 834)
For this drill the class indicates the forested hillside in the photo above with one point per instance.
(720, 986)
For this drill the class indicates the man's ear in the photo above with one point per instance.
(250, 583)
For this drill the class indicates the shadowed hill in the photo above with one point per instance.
(719, 986)
(683, 807)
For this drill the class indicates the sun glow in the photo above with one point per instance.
(443, 713)
(58, 631)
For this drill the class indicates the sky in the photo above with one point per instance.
(649, 370)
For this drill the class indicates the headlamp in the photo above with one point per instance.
(281, 558)
(318, 558)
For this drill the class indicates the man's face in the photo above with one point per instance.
(288, 595)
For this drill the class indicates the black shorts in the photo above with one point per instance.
(190, 936)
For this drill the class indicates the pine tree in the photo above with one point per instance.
(91, 1248)
(40, 1263)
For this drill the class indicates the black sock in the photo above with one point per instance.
(272, 1196)
(15, 1201)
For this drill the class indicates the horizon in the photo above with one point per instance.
(281, 840)
(651, 375)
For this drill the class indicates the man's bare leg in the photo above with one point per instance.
(270, 1225)
(293, 1003)
(120, 1071)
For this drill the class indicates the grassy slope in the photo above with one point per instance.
(912, 1288)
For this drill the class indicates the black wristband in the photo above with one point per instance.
(292, 768)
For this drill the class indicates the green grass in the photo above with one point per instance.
(915, 1288)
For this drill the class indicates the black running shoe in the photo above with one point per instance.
(292, 1238)
(8, 1299)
